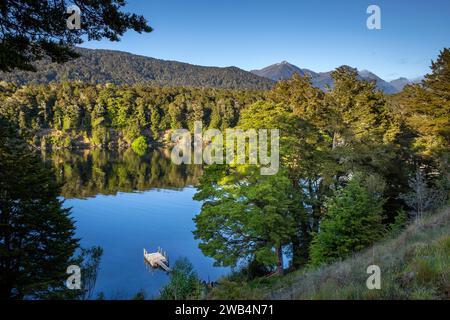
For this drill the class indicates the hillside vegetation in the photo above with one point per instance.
(352, 162)
(355, 166)
(76, 114)
(415, 264)
(103, 66)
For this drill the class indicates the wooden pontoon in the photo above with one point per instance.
(157, 260)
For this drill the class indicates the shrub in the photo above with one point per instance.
(400, 221)
(139, 145)
(353, 222)
(183, 284)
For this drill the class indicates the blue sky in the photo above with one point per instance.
(317, 34)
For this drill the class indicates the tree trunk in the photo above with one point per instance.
(279, 252)
(297, 259)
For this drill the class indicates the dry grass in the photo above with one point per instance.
(415, 264)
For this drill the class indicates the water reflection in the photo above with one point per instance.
(87, 173)
(99, 187)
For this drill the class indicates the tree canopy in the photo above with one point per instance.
(37, 241)
(346, 155)
(353, 221)
(31, 30)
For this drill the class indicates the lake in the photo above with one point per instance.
(124, 203)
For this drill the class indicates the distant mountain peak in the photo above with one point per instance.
(365, 72)
(400, 83)
(280, 71)
(284, 70)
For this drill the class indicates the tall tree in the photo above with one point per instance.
(37, 241)
(353, 220)
(427, 109)
(365, 135)
(245, 216)
(303, 154)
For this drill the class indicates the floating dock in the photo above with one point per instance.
(157, 259)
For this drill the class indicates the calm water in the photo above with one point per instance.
(124, 203)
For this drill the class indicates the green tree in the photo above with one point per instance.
(353, 220)
(427, 110)
(245, 216)
(140, 295)
(183, 283)
(304, 153)
(33, 29)
(155, 119)
(140, 145)
(37, 241)
(365, 136)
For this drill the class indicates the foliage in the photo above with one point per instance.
(106, 116)
(37, 241)
(353, 222)
(139, 145)
(426, 107)
(140, 295)
(415, 264)
(325, 139)
(122, 68)
(244, 215)
(304, 153)
(90, 265)
(31, 29)
(183, 283)
(401, 220)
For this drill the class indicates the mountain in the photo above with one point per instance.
(418, 80)
(400, 83)
(322, 80)
(385, 86)
(281, 71)
(102, 66)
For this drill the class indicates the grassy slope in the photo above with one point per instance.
(415, 264)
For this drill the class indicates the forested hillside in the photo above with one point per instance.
(357, 168)
(83, 115)
(108, 66)
(354, 164)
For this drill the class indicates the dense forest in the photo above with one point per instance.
(357, 167)
(108, 66)
(75, 114)
(355, 163)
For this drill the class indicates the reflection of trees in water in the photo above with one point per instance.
(90, 172)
